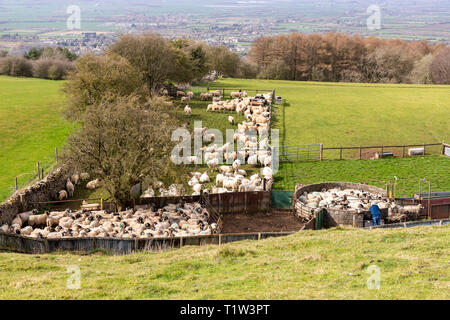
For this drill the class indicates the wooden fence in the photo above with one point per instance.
(17, 243)
(223, 203)
(317, 152)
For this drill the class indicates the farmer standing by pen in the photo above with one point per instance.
(376, 215)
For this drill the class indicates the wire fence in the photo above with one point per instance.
(319, 152)
(41, 169)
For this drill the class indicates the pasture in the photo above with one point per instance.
(356, 114)
(31, 127)
(328, 264)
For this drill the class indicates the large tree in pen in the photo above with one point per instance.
(122, 142)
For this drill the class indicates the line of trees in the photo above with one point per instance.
(337, 57)
(45, 63)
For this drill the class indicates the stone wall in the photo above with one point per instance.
(28, 198)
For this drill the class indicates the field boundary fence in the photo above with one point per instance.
(203, 89)
(318, 152)
(42, 168)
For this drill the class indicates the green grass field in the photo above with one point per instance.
(374, 172)
(31, 127)
(330, 264)
(356, 114)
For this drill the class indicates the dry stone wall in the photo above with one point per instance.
(28, 198)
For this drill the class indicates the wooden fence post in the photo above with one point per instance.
(340, 156)
(443, 147)
(424, 149)
(360, 152)
(321, 152)
(403, 153)
(38, 170)
(17, 185)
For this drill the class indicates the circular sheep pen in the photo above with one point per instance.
(346, 203)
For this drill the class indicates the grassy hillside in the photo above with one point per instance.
(357, 114)
(31, 126)
(374, 172)
(331, 264)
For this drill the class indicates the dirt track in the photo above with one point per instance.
(261, 222)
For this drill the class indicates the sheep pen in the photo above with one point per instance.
(349, 203)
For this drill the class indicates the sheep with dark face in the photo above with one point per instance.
(37, 220)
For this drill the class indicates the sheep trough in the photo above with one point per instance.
(344, 203)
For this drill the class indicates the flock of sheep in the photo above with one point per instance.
(356, 201)
(181, 220)
(232, 178)
(73, 181)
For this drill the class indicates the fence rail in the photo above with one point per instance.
(316, 152)
(222, 203)
(17, 243)
(412, 224)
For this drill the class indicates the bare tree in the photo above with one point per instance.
(440, 68)
(123, 142)
(97, 76)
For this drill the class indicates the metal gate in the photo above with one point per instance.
(306, 152)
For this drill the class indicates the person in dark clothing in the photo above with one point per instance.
(376, 215)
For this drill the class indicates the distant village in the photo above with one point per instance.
(236, 36)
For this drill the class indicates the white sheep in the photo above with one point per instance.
(212, 164)
(94, 184)
(253, 160)
(149, 193)
(231, 119)
(188, 110)
(70, 188)
(4, 228)
(62, 195)
(84, 176)
(205, 178)
(237, 164)
(75, 178)
(197, 188)
(37, 220)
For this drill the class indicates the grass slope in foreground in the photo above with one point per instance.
(374, 172)
(329, 264)
(31, 127)
(356, 114)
